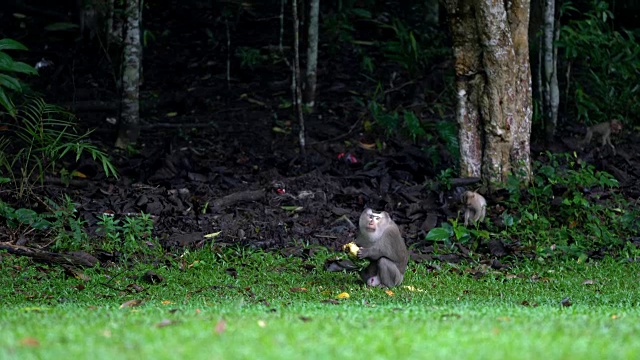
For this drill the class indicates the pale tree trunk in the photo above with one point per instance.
(296, 85)
(550, 91)
(312, 55)
(129, 129)
(493, 86)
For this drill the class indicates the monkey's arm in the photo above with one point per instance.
(393, 253)
(371, 253)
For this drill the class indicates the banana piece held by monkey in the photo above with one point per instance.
(351, 248)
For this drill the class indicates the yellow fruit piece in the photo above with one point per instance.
(343, 295)
(351, 248)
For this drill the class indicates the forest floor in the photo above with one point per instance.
(223, 156)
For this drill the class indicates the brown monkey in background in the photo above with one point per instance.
(475, 207)
(604, 129)
(380, 242)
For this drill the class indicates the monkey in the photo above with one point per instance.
(381, 243)
(604, 129)
(475, 207)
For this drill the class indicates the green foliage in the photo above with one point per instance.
(9, 68)
(250, 58)
(69, 228)
(408, 125)
(37, 139)
(408, 50)
(444, 178)
(606, 81)
(22, 217)
(569, 209)
(338, 26)
(131, 236)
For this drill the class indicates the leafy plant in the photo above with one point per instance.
(37, 139)
(605, 83)
(131, 236)
(407, 48)
(338, 26)
(15, 218)
(8, 68)
(68, 227)
(249, 57)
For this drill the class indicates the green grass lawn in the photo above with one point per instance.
(260, 306)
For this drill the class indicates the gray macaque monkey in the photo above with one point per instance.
(604, 129)
(475, 207)
(380, 242)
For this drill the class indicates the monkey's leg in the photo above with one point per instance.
(389, 273)
(608, 141)
(370, 274)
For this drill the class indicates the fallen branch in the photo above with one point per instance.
(242, 196)
(80, 259)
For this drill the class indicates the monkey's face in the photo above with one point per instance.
(372, 223)
(467, 197)
(616, 126)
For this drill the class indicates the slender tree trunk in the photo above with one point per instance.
(312, 55)
(297, 92)
(129, 130)
(493, 87)
(550, 91)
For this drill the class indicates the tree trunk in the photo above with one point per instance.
(493, 83)
(550, 91)
(312, 55)
(296, 86)
(129, 129)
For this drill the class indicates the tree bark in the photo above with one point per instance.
(493, 80)
(297, 92)
(312, 55)
(129, 129)
(550, 91)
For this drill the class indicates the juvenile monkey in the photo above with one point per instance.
(380, 242)
(604, 129)
(475, 207)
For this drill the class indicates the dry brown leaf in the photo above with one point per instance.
(298, 289)
(29, 341)
(78, 174)
(367, 146)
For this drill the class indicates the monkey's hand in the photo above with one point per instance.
(363, 253)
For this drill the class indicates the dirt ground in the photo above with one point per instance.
(224, 157)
